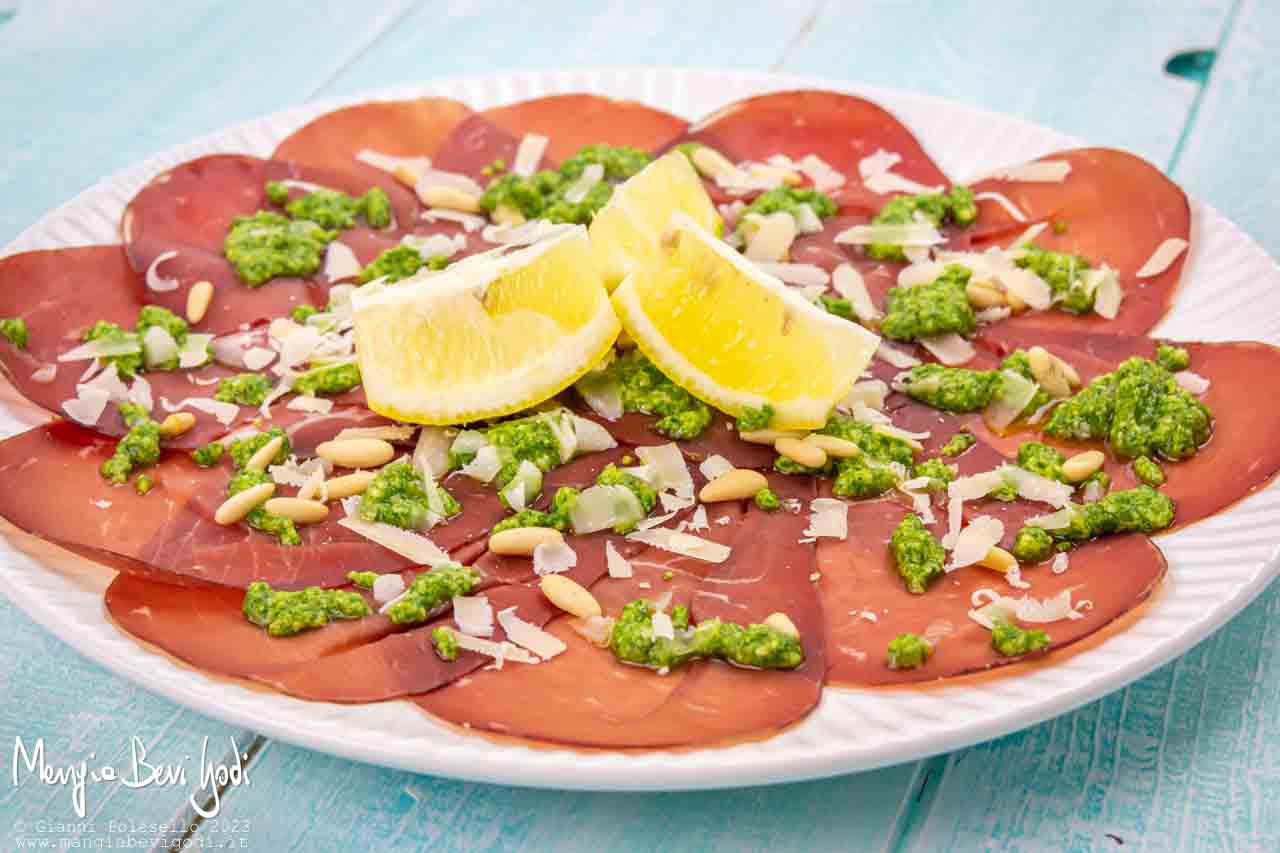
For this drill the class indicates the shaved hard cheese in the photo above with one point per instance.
(225, 413)
(560, 422)
(950, 349)
(848, 282)
(140, 393)
(594, 629)
(921, 503)
(340, 262)
(194, 350)
(1002, 200)
(525, 234)
(715, 465)
(1038, 172)
(1016, 391)
(391, 163)
(528, 635)
(895, 355)
(1027, 286)
(158, 347)
(412, 546)
(771, 237)
(829, 518)
(473, 614)
(805, 274)
(1060, 563)
(993, 315)
(910, 234)
(657, 520)
(484, 466)
(602, 394)
(592, 438)
(387, 588)
(87, 406)
(1059, 520)
(431, 454)
(500, 652)
(591, 175)
(44, 374)
(1026, 238)
(876, 171)
(974, 541)
(603, 507)
(1164, 255)
(618, 565)
(1192, 382)
(870, 393)
(256, 358)
(452, 180)
(698, 521)
(667, 468)
(469, 221)
(971, 488)
(1107, 293)
(683, 544)
(157, 282)
(435, 245)
(824, 177)
(878, 163)
(925, 272)
(291, 472)
(314, 405)
(103, 348)
(989, 603)
(807, 221)
(529, 154)
(673, 503)
(1034, 487)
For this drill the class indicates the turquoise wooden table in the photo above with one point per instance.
(1185, 759)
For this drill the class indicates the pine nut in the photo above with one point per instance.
(352, 484)
(839, 448)
(711, 163)
(1047, 371)
(260, 460)
(999, 560)
(198, 299)
(449, 198)
(768, 436)
(738, 484)
(406, 175)
(768, 172)
(240, 504)
(801, 452)
(313, 489)
(298, 510)
(357, 452)
(983, 295)
(1016, 302)
(569, 596)
(1082, 466)
(782, 623)
(1073, 378)
(520, 541)
(176, 424)
(505, 214)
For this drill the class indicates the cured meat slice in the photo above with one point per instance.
(1113, 208)
(1241, 456)
(841, 129)
(172, 529)
(572, 121)
(585, 697)
(866, 604)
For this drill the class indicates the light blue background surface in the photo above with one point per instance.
(1186, 759)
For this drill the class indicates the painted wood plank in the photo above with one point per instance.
(1092, 68)
(91, 86)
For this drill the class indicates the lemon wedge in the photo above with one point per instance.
(493, 334)
(737, 337)
(626, 233)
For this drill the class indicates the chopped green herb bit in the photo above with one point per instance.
(1041, 459)
(668, 575)
(143, 484)
(445, 643)
(1059, 227)
(1064, 275)
(842, 308)
(209, 455)
(1032, 545)
(757, 646)
(303, 313)
(1173, 359)
(957, 206)
(429, 591)
(767, 500)
(938, 472)
(393, 265)
(267, 245)
(929, 310)
(529, 439)
(400, 496)
(958, 443)
(786, 200)
(285, 613)
(14, 330)
(364, 580)
(646, 389)
(242, 449)
(1011, 641)
(612, 475)
(908, 651)
(1148, 471)
(246, 389)
(335, 379)
(333, 210)
(755, 419)
(138, 448)
(679, 613)
(952, 389)
(917, 554)
(127, 365)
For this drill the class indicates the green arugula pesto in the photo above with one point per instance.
(1019, 362)
(1041, 459)
(1138, 510)
(929, 310)
(246, 389)
(303, 313)
(755, 419)
(883, 461)
(646, 389)
(1011, 641)
(958, 443)
(445, 643)
(542, 195)
(757, 646)
(786, 200)
(952, 389)
(1032, 545)
(957, 207)
(431, 590)
(1139, 409)
(400, 496)
(334, 379)
(331, 209)
(841, 308)
(209, 455)
(1148, 471)
(285, 613)
(163, 318)
(127, 365)
(398, 263)
(917, 554)
(130, 364)
(267, 245)
(1173, 359)
(767, 500)
(528, 439)
(938, 472)
(138, 448)
(143, 484)
(1063, 273)
(612, 475)
(364, 580)
(14, 330)
(908, 651)
(557, 516)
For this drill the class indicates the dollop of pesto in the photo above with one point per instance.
(1139, 409)
(786, 200)
(938, 472)
(155, 315)
(917, 554)
(542, 194)
(1148, 471)
(400, 496)
(285, 613)
(767, 500)
(1041, 459)
(14, 330)
(334, 379)
(956, 206)
(755, 419)
(430, 591)
(528, 439)
(127, 365)
(246, 389)
(398, 263)
(331, 209)
(130, 364)
(929, 310)
(908, 651)
(138, 448)
(647, 390)
(1012, 641)
(1032, 545)
(757, 646)
(209, 455)
(952, 389)
(612, 475)
(958, 443)
(1063, 273)
(302, 313)
(364, 580)
(557, 516)
(143, 484)
(873, 472)
(445, 643)
(838, 306)
(1141, 509)
(267, 245)
(1173, 359)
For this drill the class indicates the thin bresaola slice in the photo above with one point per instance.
(867, 605)
(1113, 208)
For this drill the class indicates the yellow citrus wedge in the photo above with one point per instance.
(491, 335)
(626, 234)
(736, 337)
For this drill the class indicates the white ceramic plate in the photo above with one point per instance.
(1231, 290)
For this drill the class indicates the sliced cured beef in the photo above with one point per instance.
(585, 697)
(1113, 208)
(841, 129)
(866, 604)
(1239, 459)
(720, 438)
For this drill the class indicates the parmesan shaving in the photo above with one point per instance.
(975, 541)
(1060, 563)
(911, 234)
(1002, 200)
(225, 413)
(805, 274)
(1036, 172)
(500, 652)
(157, 282)
(529, 154)
(256, 358)
(410, 545)
(662, 626)
(528, 635)
(1163, 257)
(950, 349)
(683, 544)
(667, 468)
(387, 588)
(829, 518)
(473, 614)
(1192, 382)
(469, 221)
(715, 465)
(618, 565)
(591, 175)
(895, 356)
(44, 374)
(314, 405)
(340, 262)
(848, 282)
(391, 163)
(771, 238)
